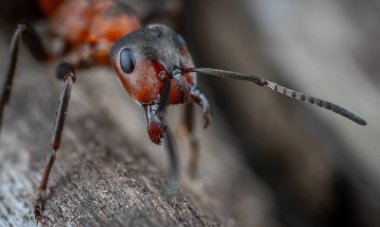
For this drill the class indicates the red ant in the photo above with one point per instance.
(152, 63)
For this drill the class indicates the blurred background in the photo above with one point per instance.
(322, 170)
(316, 168)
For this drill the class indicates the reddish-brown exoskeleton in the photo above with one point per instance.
(152, 63)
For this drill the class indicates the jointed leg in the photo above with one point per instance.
(188, 128)
(65, 72)
(173, 158)
(188, 124)
(33, 42)
(199, 98)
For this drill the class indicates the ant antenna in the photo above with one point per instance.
(283, 90)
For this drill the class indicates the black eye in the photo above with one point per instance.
(127, 60)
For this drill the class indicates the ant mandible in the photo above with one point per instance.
(152, 63)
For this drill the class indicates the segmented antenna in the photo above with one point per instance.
(283, 90)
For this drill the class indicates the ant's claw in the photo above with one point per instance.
(38, 214)
(38, 208)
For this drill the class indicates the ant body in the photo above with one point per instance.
(152, 62)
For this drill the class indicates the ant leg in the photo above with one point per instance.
(188, 128)
(199, 98)
(156, 128)
(33, 42)
(174, 169)
(65, 72)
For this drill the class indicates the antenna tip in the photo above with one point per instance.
(360, 121)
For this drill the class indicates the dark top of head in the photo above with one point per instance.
(153, 42)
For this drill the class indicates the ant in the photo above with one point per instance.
(152, 62)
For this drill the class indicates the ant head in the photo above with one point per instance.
(145, 58)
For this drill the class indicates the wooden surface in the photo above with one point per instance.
(108, 173)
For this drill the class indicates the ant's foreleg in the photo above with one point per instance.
(187, 128)
(66, 73)
(173, 158)
(199, 98)
(33, 42)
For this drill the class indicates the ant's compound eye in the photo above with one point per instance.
(127, 60)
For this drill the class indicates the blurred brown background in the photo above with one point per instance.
(322, 170)
(314, 167)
